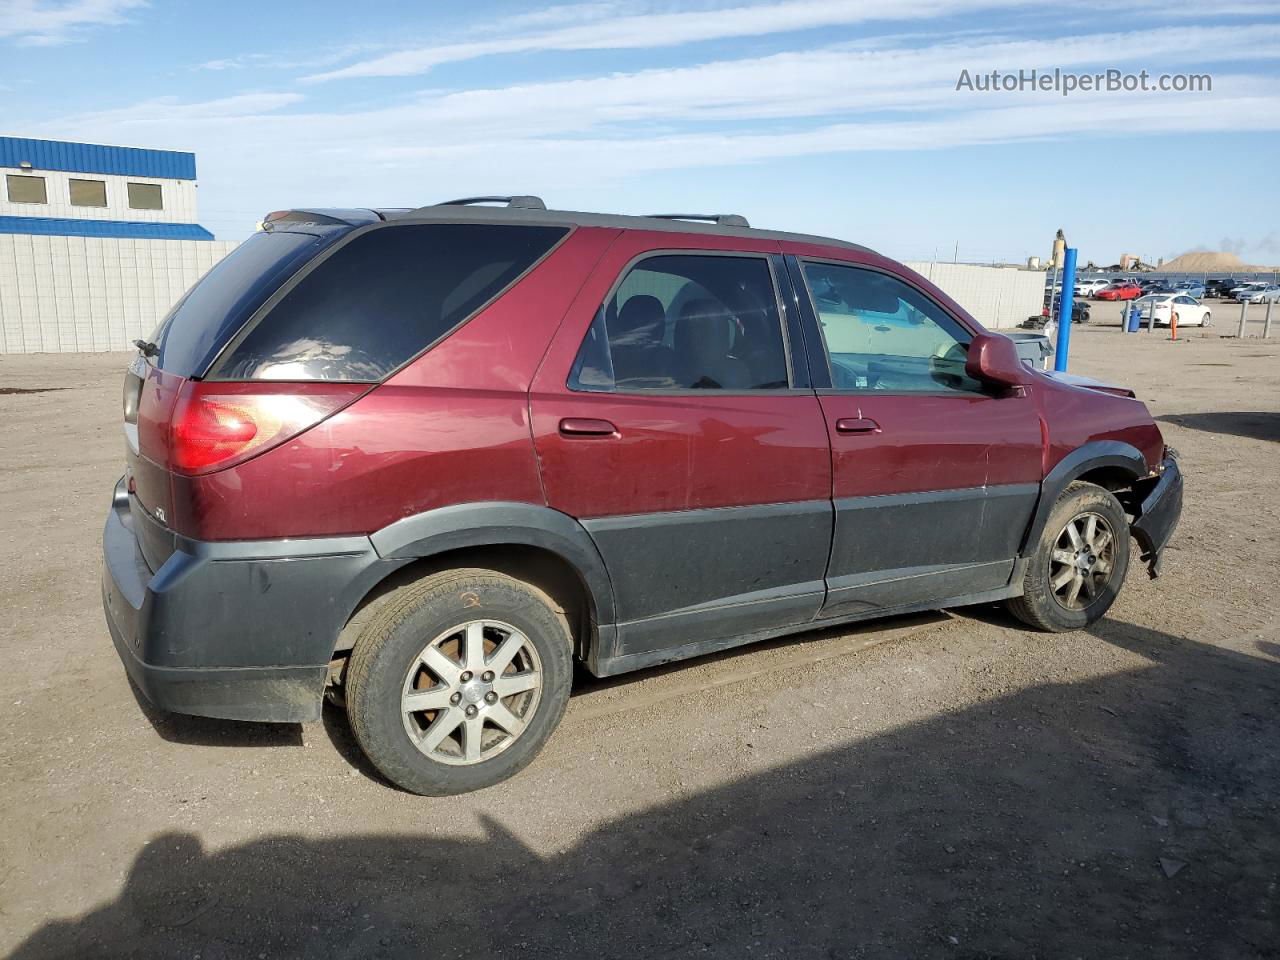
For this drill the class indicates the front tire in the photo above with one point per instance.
(1079, 564)
(459, 681)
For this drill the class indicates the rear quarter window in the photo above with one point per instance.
(381, 299)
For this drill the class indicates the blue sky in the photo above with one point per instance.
(828, 116)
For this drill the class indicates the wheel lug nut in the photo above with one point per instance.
(490, 697)
(456, 698)
(487, 676)
(471, 710)
(466, 675)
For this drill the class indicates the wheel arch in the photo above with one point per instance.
(1112, 464)
(543, 547)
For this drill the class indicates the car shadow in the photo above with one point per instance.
(1255, 424)
(1128, 814)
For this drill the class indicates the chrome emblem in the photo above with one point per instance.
(160, 514)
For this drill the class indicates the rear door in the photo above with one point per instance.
(673, 415)
(935, 476)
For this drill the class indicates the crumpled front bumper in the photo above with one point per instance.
(1158, 514)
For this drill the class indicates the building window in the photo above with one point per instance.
(24, 189)
(88, 193)
(145, 196)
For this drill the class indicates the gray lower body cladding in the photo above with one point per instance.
(239, 630)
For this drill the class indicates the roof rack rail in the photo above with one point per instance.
(519, 203)
(721, 219)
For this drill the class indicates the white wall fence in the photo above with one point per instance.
(995, 296)
(91, 294)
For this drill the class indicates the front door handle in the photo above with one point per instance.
(587, 427)
(857, 425)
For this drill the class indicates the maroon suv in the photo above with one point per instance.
(422, 460)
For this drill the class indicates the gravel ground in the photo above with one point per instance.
(946, 786)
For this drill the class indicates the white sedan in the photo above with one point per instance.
(1190, 312)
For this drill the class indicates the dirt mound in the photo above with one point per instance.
(1207, 261)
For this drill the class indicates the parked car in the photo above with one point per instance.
(423, 460)
(1079, 314)
(1190, 288)
(1165, 306)
(1219, 287)
(1119, 291)
(1259, 293)
(1245, 285)
(1087, 288)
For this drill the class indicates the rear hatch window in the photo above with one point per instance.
(210, 313)
(382, 298)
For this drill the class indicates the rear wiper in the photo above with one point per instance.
(146, 347)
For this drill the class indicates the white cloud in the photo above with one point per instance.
(44, 23)
(649, 30)
(285, 60)
(595, 26)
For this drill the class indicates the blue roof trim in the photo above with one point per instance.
(55, 227)
(73, 157)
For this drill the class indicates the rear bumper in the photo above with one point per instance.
(1158, 514)
(241, 630)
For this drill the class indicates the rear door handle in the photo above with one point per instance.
(857, 425)
(587, 427)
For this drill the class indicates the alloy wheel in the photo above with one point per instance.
(471, 692)
(1082, 561)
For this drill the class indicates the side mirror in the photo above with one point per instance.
(994, 359)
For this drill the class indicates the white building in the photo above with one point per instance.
(96, 243)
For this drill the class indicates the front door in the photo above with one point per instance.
(935, 475)
(674, 419)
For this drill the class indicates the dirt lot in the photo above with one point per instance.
(944, 786)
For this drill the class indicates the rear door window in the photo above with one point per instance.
(687, 322)
(383, 298)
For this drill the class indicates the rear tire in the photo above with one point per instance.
(1079, 564)
(459, 681)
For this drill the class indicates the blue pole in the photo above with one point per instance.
(1064, 310)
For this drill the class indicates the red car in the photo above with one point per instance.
(424, 460)
(1119, 291)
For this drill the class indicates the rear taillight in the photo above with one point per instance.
(216, 425)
